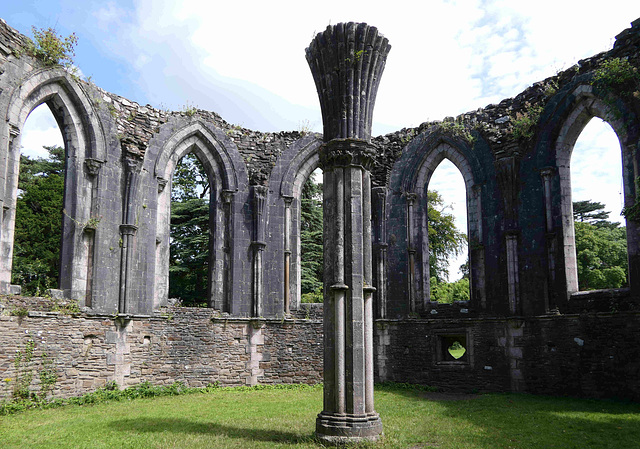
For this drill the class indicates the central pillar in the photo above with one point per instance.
(347, 61)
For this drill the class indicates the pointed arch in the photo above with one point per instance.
(214, 152)
(409, 184)
(227, 175)
(85, 149)
(577, 108)
(292, 169)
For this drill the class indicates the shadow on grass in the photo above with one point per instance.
(193, 427)
(528, 421)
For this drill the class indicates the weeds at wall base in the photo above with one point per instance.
(110, 392)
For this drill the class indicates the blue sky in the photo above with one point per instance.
(245, 61)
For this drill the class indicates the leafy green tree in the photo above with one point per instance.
(601, 248)
(448, 292)
(445, 240)
(36, 252)
(190, 233)
(311, 250)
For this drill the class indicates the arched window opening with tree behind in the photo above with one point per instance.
(189, 258)
(311, 228)
(447, 224)
(39, 205)
(598, 199)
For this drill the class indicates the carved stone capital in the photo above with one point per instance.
(259, 198)
(162, 183)
(259, 246)
(346, 152)
(132, 164)
(93, 166)
(548, 172)
(14, 132)
(128, 229)
(227, 196)
(411, 198)
(347, 61)
(287, 200)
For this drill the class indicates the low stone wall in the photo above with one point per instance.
(593, 354)
(191, 345)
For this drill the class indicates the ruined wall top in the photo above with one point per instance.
(362, 48)
(137, 124)
(509, 127)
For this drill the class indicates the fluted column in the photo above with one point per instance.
(347, 61)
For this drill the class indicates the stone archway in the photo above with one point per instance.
(85, 152)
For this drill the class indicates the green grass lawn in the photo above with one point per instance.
(225, 418)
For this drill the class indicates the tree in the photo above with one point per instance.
(311, 241)
(448, 292)
(189, 249)
(36, 251)
(601, 248)
(445, 240)
(590, 212)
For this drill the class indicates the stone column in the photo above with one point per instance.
(380, 225)
(8, 181)
(128, 230)
(476, 251)
(552, 239)
(93, 168)
(347, 61)
(411, 253)
(227, 232)
(287, 254)
(258, 244)
(507, 172)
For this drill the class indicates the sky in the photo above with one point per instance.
(245, 61)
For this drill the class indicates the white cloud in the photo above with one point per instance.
(40, 129)
(108, 16)
(596, 168)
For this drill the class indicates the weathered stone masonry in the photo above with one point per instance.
(526, 328)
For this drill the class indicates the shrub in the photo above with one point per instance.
(53, 49)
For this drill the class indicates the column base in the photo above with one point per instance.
(345, 428)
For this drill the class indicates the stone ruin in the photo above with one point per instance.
(526, 327)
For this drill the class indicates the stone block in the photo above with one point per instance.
(54, 293)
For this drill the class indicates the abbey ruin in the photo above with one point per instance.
(526, 328)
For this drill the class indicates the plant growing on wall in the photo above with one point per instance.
(524, 122)
(51, 48)
(617, 74)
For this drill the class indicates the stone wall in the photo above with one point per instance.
(193, 345)
(593, 354)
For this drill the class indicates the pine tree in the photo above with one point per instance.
(311, 250)
(36, 251)
(189, 249)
